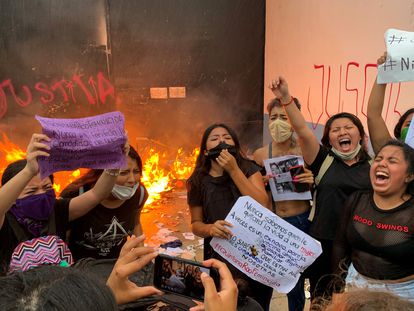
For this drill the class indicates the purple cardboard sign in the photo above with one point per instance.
(95, 142)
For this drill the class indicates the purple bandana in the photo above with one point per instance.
(33, 211)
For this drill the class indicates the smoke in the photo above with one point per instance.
(153, 43)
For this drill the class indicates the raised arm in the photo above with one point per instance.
(82, 204)
(307, 139)
(378, 131)
(10, 191)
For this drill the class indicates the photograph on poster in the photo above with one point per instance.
(283, 170)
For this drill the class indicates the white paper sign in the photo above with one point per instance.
(399, 65)
(282, 185)
(265, 247)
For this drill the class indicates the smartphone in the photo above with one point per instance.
(294, 171)
(182, 276)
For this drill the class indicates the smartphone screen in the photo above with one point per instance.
(294, 171)
(181, 276)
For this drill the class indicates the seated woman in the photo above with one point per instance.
(378, 130)
(220, 177)
(295, 212)
(102, 231)
(376, 231)
(29, 204)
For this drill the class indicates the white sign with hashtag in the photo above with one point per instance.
(399, 65)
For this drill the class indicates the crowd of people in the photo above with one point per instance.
(362, 213)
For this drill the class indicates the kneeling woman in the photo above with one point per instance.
(102, 232)
(28, 204)
(220, 177)
(376, 233)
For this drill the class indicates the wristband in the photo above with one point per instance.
(291, 101)
(112, 172)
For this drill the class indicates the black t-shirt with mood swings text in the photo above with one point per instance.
(380, 243)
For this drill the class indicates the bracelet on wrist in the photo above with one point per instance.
(112, 172)
(288, 103)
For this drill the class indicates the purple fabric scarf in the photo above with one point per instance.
(33, 211)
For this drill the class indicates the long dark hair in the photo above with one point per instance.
(408, 157)
(203, 164)
(401, 120)
(91, 176)
(363, 154)
(13, 169)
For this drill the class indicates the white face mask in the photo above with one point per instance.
(349, 155)
(280, 130)
(123, 192)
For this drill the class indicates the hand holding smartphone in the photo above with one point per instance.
(294, 171)
(181, 276)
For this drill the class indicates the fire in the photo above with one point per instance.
(9, 153)
(155, 176)
(158, 175)
(62, 179)
(184, 164)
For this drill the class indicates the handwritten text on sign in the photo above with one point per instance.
(94, 142)
(265, 247)
(399, 65)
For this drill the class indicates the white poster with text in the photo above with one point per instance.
(265, 247)
(399, 65)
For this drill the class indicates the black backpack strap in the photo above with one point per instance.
(17, 228)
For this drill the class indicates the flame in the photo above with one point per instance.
(64, 178)
(184, 164)
(9, 153)
(154, 178)
(158, 176)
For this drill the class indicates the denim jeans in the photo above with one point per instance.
(356, 280)
(296, 297)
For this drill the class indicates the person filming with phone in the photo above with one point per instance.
(68, 288)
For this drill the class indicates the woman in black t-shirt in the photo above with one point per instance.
(28, 203)
(220, 177)
(340, 166)
(102, 232)
(376, 233)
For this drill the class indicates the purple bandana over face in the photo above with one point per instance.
(33, 211)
